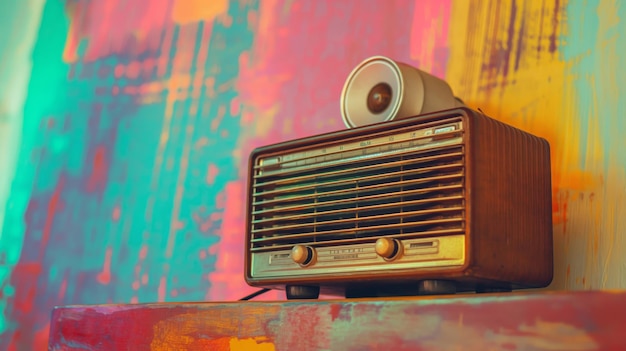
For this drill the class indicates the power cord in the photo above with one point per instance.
(254, 294)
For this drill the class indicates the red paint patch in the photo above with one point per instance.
(27, 273)
(53, 207)
(335, 309)
(41, 335)
(219, 344)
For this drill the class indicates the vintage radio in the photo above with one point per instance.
(440, 202)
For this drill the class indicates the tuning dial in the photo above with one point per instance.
(302, 255)
(387, 248)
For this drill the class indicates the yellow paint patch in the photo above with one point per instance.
(251, 344)
(501, 61)
(189, 11)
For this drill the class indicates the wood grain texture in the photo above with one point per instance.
(530, 321)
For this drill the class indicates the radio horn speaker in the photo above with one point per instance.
(380, 89)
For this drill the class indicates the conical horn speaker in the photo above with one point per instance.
(380, 89)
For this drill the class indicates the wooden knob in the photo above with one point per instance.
(302, 255)
(387, 248)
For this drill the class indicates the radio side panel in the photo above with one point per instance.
(511, 223)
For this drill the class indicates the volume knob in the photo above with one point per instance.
(302, 255)
(387, 248)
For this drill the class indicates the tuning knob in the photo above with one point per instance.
(302, 255)
(387, 248)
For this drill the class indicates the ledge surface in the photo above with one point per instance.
(584, 320)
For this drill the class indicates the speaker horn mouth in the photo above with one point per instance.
(379, 98)
(372, 93)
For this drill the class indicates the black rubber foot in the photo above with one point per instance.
(436, 287)
(302, 292)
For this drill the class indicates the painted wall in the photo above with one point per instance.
(123, 149)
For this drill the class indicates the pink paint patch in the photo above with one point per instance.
(104, 277)
(429, 36)
(116, 213)
(92, 20)
(133, 69)
(118, 71)
(51, 123)
(62, 289)
(143, 252)
(211, 173)
(235, 106)
(97, 179)
(161, 291)
(226, 279)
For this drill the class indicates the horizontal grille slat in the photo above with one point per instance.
(387, 186)
(354, 209)
(406, 184)
(407, 193)
(306, 186)
(325, 224)
(290, 237)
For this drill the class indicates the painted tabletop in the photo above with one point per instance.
(584, 320)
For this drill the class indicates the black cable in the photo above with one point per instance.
(254, 294)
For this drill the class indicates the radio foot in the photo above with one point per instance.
(436, 287)
(486, 290)
(295, 292)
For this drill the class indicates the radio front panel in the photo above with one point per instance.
(390, 200)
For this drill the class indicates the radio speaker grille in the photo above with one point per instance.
(406, 184)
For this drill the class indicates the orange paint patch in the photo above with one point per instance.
(251, 344)
(188, 11)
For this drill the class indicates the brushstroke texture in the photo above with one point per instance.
(137, 128)
(552, 69)
(139, 116)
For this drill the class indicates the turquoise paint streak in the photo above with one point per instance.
(129, 132)
(22, 20)
(595, 43)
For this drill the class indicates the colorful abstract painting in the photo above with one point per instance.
(125, 127)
